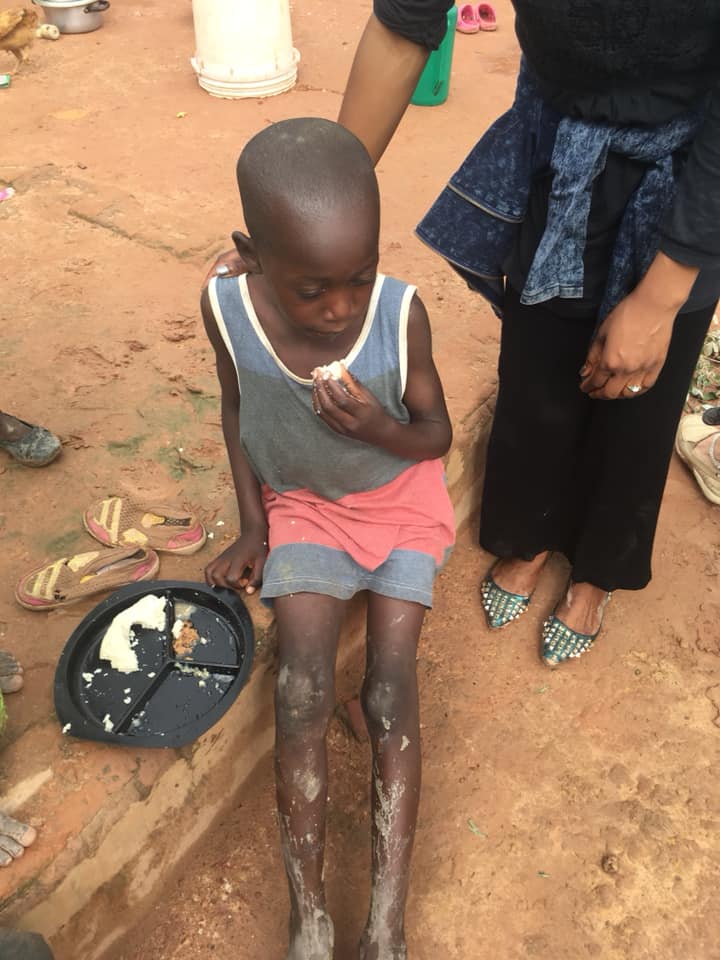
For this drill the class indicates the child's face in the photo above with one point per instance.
(322, 276)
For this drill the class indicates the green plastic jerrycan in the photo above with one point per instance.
(434, 83)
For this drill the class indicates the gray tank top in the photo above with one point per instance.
(287, 445)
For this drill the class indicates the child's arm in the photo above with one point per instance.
(355, 412)
(241, 564)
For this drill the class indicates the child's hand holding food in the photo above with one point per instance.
(240, 566)
(347, 406)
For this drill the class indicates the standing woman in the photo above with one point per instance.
(589, 215)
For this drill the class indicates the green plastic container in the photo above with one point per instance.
(434, 83)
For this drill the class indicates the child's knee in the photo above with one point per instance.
(386, 700)
(304, 696)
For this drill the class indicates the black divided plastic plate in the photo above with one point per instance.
(169, 701)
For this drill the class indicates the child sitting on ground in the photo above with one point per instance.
(340, 489)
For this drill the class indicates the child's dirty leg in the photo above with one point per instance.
(390, 702)
(308, 628)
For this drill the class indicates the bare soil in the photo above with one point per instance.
(564, 815)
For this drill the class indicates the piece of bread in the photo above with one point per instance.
(332, 371)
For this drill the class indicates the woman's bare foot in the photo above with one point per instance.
(313, 939)
(11, 673)
(519, 576)
(14, 837)
(582, 607)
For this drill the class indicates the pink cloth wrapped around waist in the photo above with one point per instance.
(412, 512)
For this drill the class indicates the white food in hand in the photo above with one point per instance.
(148, 612)
(330, 371)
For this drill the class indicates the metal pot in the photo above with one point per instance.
(74, 16)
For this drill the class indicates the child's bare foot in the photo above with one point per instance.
(382, 948)
(14, 837)
(11, 678)
(313, 939)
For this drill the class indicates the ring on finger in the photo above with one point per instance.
(223, 270)
(633, 387)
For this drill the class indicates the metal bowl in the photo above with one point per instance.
(74, 16)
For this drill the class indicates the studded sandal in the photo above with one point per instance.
(501, 606)
(560, 643)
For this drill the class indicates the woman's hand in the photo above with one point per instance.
(229, 263)
(631, 345)
(240, 566)
(629, 350)
(351, 409)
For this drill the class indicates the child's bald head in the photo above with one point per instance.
(299, 174)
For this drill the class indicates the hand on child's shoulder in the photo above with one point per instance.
(229, 263)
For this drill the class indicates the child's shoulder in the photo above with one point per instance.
(396, 281)
(395, 290)
(400, 298)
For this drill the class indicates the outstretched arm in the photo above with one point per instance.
(388, 62)
(353, 411)
(241, 565)
(383, 76)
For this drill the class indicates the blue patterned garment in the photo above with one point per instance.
(474, 222)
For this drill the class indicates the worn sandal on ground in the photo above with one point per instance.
(691, 431)
(70, 579)
(501, 606)
(560, 643)
(35, 449)
(120, 521)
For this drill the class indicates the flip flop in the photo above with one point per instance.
(70, 579)
(467, 19)
(486, 17)
(36, 449)
(120, 521)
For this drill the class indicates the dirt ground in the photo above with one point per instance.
(564, 815)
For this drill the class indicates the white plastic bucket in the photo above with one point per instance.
(244, 47)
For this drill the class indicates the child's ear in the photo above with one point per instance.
(246, 248)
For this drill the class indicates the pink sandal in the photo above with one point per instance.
(486, 18)
(467, 19)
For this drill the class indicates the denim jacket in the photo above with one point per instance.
(474, 221)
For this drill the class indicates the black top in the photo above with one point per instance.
(627, 61)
